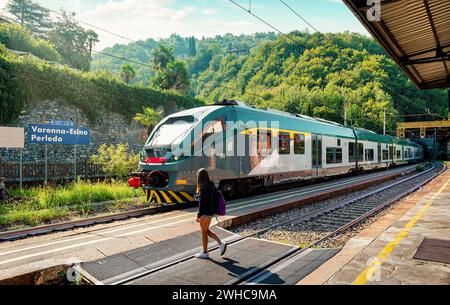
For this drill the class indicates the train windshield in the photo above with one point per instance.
(172, 131)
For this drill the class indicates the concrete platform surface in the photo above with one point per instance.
(103, 240)
(383, 254)
(241, 258)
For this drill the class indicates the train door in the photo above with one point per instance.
(316, 155)
(379, 152)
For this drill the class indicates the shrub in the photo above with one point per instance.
(20, 39)
(115, 160)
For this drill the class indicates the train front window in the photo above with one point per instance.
(172, 131)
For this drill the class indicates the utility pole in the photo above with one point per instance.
(345, 109)
(384, 122)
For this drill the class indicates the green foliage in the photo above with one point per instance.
(25, 81)
(43, 204)
(142, 51)
(73, 42)
(16, 37)
(30, 14)
(127, 73)
(149, 117)
(192, 47)
(161, 57)
(115, 160)
(281, 75)
(174, 76)
(10, 103)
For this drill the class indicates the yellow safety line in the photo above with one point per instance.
(166, 198)
(176, 197)
(187, 196)
(384, 254)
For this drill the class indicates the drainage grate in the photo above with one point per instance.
(435, 250)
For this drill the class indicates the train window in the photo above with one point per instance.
(370, 155)
(391, 152)
(284, 143)
(385, 154)
(299, 144)
(338, 142)
(214, 127)
(264, 143)
(399, 154)
(352, 152)
(360, 152)
(334, 155)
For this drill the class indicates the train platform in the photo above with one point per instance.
(34, 254)
(170, 262)
(410, 245)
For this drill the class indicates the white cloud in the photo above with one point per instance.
(137, 19)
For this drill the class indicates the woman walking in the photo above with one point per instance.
(209, 197)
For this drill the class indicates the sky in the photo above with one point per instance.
(142, 19)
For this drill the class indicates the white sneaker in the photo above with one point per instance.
(223, 248)
(202, 255)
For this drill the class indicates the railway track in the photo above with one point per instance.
(234, 206)
(336, 218)
(340, 217)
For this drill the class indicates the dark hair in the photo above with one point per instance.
(202, 179)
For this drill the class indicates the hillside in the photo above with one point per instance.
(26, 79)
(205, 49)
(309, 77)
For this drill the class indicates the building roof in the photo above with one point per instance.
(415, 33)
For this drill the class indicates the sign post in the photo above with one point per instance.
(75, 163)
(46, 165)
(21, 169)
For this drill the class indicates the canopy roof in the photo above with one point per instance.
(416, 33)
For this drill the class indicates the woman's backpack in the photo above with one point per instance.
(222, 205)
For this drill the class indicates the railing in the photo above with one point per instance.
(55, 171)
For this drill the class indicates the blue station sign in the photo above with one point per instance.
(58, 134)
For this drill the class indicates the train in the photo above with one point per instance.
(246, 149)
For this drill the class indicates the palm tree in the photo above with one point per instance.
(127, 73)
(149, 118)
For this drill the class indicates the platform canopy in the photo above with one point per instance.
(416, 33)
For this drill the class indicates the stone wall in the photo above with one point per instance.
(111, 128)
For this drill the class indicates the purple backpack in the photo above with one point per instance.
(222, 205)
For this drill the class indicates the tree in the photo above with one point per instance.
(175, 77)
(127, 73)
(161, 57)
(192, 47)
(170, 73)
(73, 42)
(149, 118)
(31, 15)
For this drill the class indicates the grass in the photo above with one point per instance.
(36, 206)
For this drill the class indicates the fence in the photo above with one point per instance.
(35, 172)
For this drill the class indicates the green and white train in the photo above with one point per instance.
(264, 148)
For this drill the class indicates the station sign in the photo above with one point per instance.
(12, 137)
(58, 134)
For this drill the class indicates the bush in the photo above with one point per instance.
(115, 160)
(24, 81)
(21, 39)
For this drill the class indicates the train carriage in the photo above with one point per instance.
(246, 149)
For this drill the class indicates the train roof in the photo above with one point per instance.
(290, 121)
